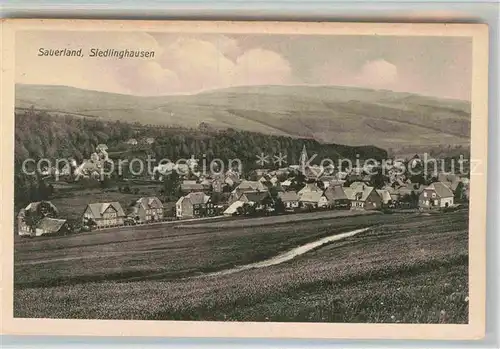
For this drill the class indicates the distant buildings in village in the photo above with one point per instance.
(296, 188)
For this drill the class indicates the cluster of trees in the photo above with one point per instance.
(440, 150)
(30, 188)
(39, 134)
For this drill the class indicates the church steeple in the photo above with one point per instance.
(303, 156)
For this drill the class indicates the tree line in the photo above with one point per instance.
(39, 134)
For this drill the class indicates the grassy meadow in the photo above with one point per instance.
(409, 268)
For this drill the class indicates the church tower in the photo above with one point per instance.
(303, 157)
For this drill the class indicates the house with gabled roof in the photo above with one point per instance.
(313, 199)
(192, 205)
(310, 188)
(336, 197)
(51, 226)
(259, 199)
(104, 214)
(246, 187)
(290, 199)
(436, 195)
(38, 209)
(147, 209)
(364, 198)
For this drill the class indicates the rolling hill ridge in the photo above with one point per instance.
(329, 114)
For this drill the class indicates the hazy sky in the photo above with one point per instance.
(435, 66)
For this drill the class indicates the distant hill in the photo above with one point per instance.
(341, 115)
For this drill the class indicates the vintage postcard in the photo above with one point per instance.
(244, 179)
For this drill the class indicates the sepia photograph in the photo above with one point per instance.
(225, 172)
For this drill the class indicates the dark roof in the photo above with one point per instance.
(335, 192)
(441, 189)
(288, 196)
(150, 202)
(358, 193)
(311, 196)
(51, 224)
(196, 198)
(251, 186)
(255, 196)
(310, 187)
(98, 209)
(366, 191)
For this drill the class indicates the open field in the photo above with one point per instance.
(405, 268)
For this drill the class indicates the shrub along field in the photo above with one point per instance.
(405, 268)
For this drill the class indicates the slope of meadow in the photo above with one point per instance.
(424, 278)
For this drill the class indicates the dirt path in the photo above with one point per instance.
(284, 257)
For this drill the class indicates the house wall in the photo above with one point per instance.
(153, 214)
(428, 199)
(141, 212)
(22, 227)
(209, 209)
(40, 232)
(185, 209)
(110, 217)
(149, 214)
(342, 203)
(217, 186)
(308, 204)
(444, 202)
(323, 202)
(357, 205)
(87, 215)
(198, 210)
(373, 201)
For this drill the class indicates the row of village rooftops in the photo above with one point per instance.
(255, 194)
(93, 168)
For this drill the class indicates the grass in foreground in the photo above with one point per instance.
(413, 271)
(167, 251)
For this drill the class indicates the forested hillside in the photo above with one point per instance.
(40, 135)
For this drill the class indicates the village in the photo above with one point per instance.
(294, 189)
